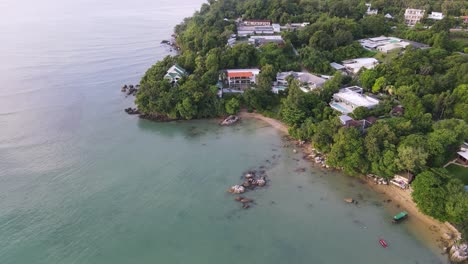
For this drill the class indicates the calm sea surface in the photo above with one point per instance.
(82, 182)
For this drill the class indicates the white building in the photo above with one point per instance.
(386, 44)
(388, 16)
(262, 40)
(350, 98)
(370, 11)
(413, 16)
(308, 81)
(241, 78)
(175, 73)
(244, 31)
(256, 22)
(354, 65)
(436, 16)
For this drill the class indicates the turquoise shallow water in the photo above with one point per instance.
(82, 182)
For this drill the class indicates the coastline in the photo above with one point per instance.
(437, 231)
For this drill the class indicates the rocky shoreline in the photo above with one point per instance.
(448, 237)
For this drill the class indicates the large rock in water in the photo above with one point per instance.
(459, 253)
(237, 189)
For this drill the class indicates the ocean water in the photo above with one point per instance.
(82, 182)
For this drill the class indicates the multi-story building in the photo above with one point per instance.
(413, 16)
(241, 78)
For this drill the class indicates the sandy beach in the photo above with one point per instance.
(437, 230)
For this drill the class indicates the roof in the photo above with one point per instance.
(355, 98)
(463, 154)
(240, 74)
(345, 118)
(303, 77)
(356, 64)
(177, 70)
(257, 20)
(336, 66)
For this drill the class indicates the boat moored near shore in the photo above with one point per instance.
(400, 217)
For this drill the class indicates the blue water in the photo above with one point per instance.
(82, 182)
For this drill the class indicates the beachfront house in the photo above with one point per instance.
(436, 16)
(350, 98)
(353, 66)
(413, 16)
(241, 79)
(175, 73)
(307, 81)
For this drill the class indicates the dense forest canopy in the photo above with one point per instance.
(431, 85)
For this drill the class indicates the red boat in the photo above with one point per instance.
(383, 243)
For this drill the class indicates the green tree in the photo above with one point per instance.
(411, 158)
(348, 152)
(232, 106)
(322, 41)
(368, 78)
(429, 193)
(187, 109)
(379, 84)
(266, 77)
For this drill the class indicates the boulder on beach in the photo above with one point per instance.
(349, 200)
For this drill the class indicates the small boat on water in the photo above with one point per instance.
(383, 243)
(399, 217)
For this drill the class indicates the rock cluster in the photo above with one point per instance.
(252, 180)
(132, 111)
(458, 253)
(130, 89)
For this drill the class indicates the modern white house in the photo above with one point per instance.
(413, 16)
(350, 98)
(386, 44)
(241, 79)
(353, 66)
(308, 81)
(175, 73)
(436, 16)
(388, 16)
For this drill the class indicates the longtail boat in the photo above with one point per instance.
(383, 243)
(402, 215)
